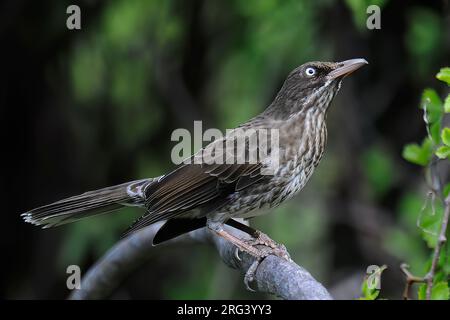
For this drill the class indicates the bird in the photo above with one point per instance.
(210, 194)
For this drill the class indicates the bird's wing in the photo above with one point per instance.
(195, 186)
(200, 187)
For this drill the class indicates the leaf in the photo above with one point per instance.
(440, 291)
(412, 153)
(447, 104)
(446, 190)
(444, 75)
(444, 260)
(422, 292)
(443, 152)
(445, 135)
(431, 103)
(435, 132)
(429, 221)
(439, 275)
(368, 293)
(420, 155)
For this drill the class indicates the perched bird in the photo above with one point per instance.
(195, 195)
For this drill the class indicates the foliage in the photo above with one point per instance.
(435, 147)
(371, 292)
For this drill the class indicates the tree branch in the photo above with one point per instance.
(274, 275)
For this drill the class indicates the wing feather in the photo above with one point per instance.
(193, 190)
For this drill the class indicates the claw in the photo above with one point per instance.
(283, 253)
(259, 247)
(236, 254)
(250, 274)
(247, 285)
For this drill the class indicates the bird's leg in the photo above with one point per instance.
(259, 247)
(262, 239)
(243, 246)
(267, 247)
(240, 244)
(243, 227)
(259, 238)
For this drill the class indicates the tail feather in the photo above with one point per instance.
(88, 204)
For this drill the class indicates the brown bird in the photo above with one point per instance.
(198, 194)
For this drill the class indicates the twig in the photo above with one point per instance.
(410, 280)
(437, 249)
(274, 275)
(429, 277)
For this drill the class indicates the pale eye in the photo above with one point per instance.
(310, 71)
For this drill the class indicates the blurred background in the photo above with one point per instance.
(84, 109)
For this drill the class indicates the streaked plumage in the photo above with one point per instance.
(193, 195)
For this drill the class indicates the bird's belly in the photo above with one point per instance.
(297, 164)
(260, 199)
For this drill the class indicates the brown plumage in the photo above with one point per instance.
(195, 195)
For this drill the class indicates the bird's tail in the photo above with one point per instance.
(89, 203)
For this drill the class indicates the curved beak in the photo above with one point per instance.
(347, 67)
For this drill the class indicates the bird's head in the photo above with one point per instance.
(312, 85)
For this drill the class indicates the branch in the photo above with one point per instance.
(410, 280)
(429, 277)
(274, 275)
(437, 249)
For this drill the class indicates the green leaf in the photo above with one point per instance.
(412, 153)
(446, 191)
(444, 260)
(443, 152)
(440, 291)
(420, 155)
(429, 221)
(422, 292)
(444, 75)
(368, 293)
(445, 135)
(435, 132)
(447, 104)
(432, 104)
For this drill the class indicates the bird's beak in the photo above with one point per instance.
(347, 67)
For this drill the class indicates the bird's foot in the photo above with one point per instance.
(263, 246)
(269, 245)
(259, 247)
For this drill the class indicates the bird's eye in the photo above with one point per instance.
(310, 71)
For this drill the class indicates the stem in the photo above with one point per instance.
(437, 249)
(410, 280)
